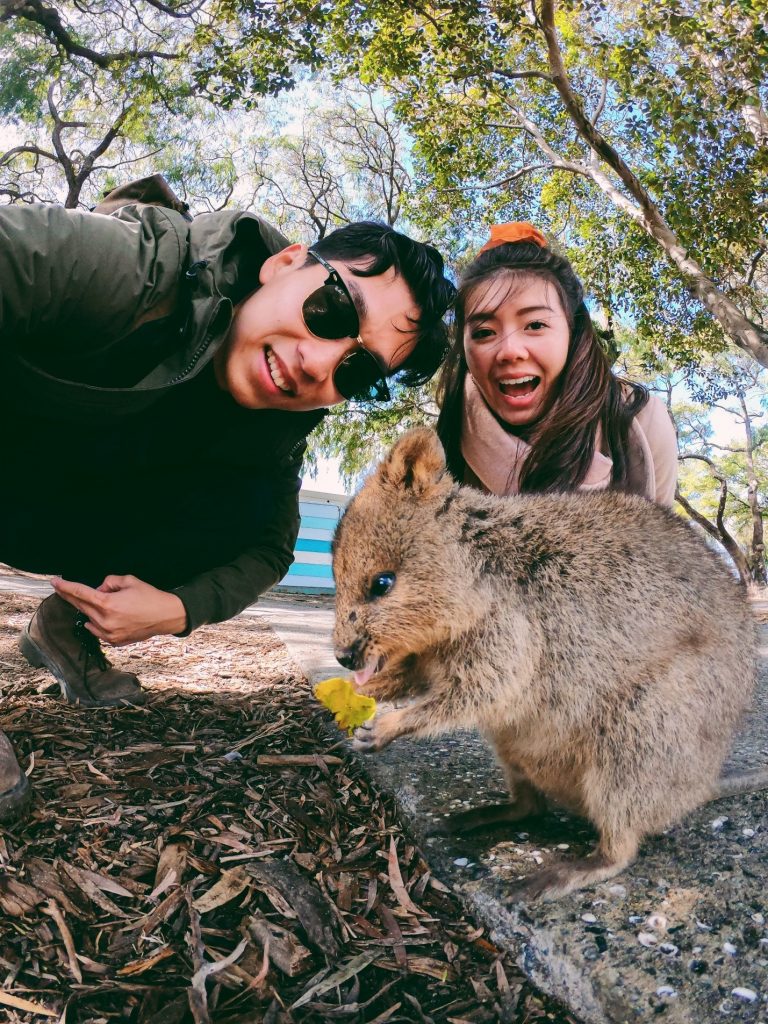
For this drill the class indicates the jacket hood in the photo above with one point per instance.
(225, 251)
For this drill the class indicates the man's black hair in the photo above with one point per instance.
(420, 265)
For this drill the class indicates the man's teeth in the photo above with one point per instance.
(275, 372)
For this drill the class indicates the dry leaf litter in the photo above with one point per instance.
(218, 856)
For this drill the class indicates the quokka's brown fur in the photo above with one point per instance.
(594, 640)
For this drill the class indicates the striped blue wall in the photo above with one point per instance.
(311, 570)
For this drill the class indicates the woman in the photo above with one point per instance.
(528, 399)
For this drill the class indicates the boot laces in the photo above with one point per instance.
(90, 648)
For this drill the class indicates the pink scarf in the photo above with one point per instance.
(496, 457)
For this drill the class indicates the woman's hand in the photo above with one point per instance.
(124, 609)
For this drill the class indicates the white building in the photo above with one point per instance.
(311, 571)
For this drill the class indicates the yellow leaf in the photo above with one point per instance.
(350, 709)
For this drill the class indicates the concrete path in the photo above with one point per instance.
(29, 585)
(682, 934)
(305, 628)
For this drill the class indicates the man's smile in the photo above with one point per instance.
(278, 372)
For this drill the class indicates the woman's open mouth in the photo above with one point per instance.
(519, 387)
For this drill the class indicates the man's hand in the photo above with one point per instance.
(124, 609)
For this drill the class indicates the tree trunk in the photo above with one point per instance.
(721, 535)
(757, 553)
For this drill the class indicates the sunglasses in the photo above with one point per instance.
(330, 314)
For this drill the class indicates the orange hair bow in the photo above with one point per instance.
(515, 231)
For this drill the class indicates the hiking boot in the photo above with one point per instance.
(14, 785)
(57, 639)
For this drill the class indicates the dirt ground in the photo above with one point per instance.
(218, 856)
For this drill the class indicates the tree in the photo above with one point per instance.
(103, 35)
(343, 160)
(65, 149)
(739, 465)
(229, 51)
(358, 435)
(78, 128)
(723, 481)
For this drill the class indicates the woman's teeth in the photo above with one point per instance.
(274, 372)
(519, 386)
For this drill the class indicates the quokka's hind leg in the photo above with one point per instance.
(527, 803)
(610, 858)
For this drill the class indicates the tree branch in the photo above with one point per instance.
(176, 12)
(28, 148)
(15, 195)
(696, 516)
(753, 265)
(719, 532)
(129, 160)
(601, 103)
(50, 21)
(512, 75)
(505, 181)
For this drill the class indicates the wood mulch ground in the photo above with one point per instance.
(216, 857)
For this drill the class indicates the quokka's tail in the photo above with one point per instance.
(740, 782)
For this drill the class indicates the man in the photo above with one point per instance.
(158, 379)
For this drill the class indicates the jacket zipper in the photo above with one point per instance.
(193, 361)
(191, 274)
(296, 448)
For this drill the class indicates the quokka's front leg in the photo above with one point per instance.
(380, 731)
(424, 717)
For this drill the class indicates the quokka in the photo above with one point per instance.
(604, 652)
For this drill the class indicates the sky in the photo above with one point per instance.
(327, 478)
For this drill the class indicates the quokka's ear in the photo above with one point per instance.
(415, 463)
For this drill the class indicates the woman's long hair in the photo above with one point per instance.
(562, 440)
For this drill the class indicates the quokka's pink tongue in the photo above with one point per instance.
(363, 675)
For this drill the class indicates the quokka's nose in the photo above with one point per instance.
(348, 657)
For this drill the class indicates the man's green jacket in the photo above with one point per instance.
(100, 315)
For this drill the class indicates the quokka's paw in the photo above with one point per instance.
(548, 884)
(376, 734)
(454, 824)
(528, 890)
(364, 739)
(384, 688)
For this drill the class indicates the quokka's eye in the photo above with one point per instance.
(381, 584)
